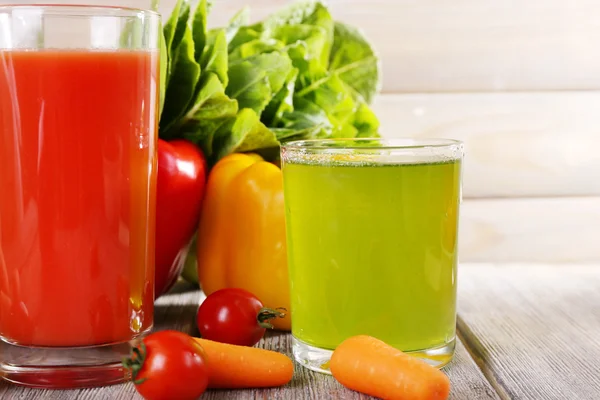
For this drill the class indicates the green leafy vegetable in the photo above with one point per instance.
(174, 32)
(163, 72)
(182, 84)
(244, 34)
(298, 74)
(200, 29)
(355, 61)
(282, 102)
(214, 59)
(210, 103)
(254, 81)
(244, 133)
(239, 20)
(312, 13)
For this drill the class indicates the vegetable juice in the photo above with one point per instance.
(372, 250)
(77, 172)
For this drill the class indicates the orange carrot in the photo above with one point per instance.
(237, 367)
(370, 366)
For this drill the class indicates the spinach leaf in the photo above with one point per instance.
(309, 12)
(162, 72)
(355, 61)
(306, 115)
(244, 34)
(210, 103)
(253, 48)
(310, 69)
(174, 32)
(203, 134)
(314, 37)
(366, 122)
(347, 112)
(282, 102)
(214, 58)
(335, 100)
(240, 19)
(242, 134)
(254, 81)
(182, 86)
(199, 29)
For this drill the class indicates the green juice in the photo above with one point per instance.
(372, 249)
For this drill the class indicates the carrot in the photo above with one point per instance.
(237, 367)
(370, 366)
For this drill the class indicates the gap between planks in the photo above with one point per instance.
(473, 347)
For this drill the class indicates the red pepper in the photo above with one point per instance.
(179, 191)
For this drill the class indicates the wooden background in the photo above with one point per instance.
(519, 82)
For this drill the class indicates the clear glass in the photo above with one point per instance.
(372, 244)
(78, 130)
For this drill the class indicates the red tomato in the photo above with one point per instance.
(234, 316)
(179, 191)
(168, 365)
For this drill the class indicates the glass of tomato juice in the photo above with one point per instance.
(79, 107)
(372, 244)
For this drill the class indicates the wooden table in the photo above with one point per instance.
(525, 332)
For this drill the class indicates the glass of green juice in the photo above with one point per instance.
(372, 244)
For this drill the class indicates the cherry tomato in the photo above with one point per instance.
(234, 316)
(168, 365)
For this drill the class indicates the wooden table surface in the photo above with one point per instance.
(525, 332)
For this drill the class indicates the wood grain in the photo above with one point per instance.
(178, 311)
(550, 230)
(534, 328)
(517, 144)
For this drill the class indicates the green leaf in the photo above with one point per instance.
(347, 112)
(163, 72)
(200, 29)
(310, 69)
(366, 122)
(254, 81)
(243, 134)
(244, 35)
(254, 47)
(174, 31)
(181, 88)
(282, 102)
(214, 59)
(310, 12)
(240, 19)
(203, 134)
(331, 95)
(171, 25)
(314, 37)
(210, 103)
(355, 61)
(306, 115)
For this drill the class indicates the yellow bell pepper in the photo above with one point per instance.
(241, 236)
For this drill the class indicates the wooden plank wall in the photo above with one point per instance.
(518, 81)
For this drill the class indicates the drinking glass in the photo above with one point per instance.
(372, 244)
(78, 131)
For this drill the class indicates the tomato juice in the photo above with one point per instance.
(77, 178)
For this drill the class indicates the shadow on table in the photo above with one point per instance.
(181, 317)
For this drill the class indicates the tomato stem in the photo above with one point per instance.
(266, 314)
(135, 362)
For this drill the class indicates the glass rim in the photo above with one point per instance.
(82, 10)
(405, 143)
